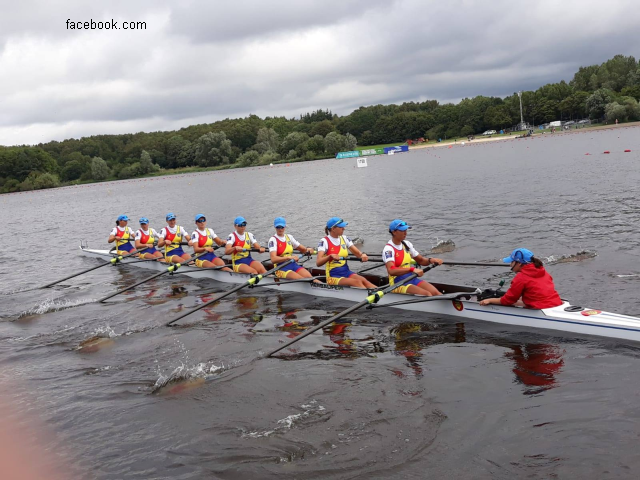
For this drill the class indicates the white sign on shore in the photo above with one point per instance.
(362, 162)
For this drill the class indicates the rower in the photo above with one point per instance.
(532, 285)
(147, 237)
(281, 247)
(333, 251)
(202, 240)
(400, 257)
(123, 236)
(239, 244)
(170, 238)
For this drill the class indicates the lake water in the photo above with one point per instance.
(385, 394)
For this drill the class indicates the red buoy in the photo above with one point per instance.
(607, 151)
(627, 151)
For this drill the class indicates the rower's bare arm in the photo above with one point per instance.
(219, 241)
(396, 272)
(257, 246)
(490, 301)
(161, 242)
(228, 249)
(305, 250)
(425, 261)
(322, 258)
(362, 256)
(111, 239)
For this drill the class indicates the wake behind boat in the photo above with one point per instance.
(457, 301)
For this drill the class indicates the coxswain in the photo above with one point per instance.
(123, 236)
(532, 285)
(333, 251)
(171, 237)
(239, 244)
(281, 247)
(147, 237)
(401, 258)
(202, 240)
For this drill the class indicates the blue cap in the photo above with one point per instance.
(279, 222)
(123, 217)
(199, 216)
(239, 220)
(398, 225)
(520, 255)
(171, 216)
(336, 222)
(144, 220)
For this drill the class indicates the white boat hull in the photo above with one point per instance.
(583, 321)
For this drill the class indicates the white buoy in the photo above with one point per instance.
(271, 164)
(462, 143)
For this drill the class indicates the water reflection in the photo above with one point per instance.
(536, 366)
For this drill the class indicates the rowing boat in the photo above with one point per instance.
(457, 301)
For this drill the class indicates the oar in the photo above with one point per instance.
(113, 261)
(446, 262)
(170, 269)
(252, 281)
(371, 299)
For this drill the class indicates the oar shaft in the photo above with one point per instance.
(373, 298)
(205, 305)
(131, 287)
(319, 326)
(113, 261)
(477, 264)
(169, 269)
(251, 281)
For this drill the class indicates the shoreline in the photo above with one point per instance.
(449, 143)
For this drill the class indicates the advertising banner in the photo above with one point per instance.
(398, 149)
(353, 153)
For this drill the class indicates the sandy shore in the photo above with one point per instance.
(450, 143)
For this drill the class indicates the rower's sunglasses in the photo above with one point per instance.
(243, 224)
(279, 226)
(338, 223)
(401, 224)
(201, 220)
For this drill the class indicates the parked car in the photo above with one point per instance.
(567, 124)
(489, 132)
(583, 122)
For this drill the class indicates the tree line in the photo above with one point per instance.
(607, 91)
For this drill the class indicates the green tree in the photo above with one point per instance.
(597, 102)
(99, 169)
(322, 128)
(213, 149)
(146, 165)
(267, 140)
(251, 157)
(614, 111)
(292, 142)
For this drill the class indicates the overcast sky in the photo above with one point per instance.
(200, 61)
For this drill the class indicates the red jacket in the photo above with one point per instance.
(535, 286)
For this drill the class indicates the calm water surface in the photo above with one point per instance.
(384, 394)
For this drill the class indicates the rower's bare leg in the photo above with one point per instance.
(433, 291)
(244, 268)
(258, 267)
(365, 283)
(416, 290)
(218, 262)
